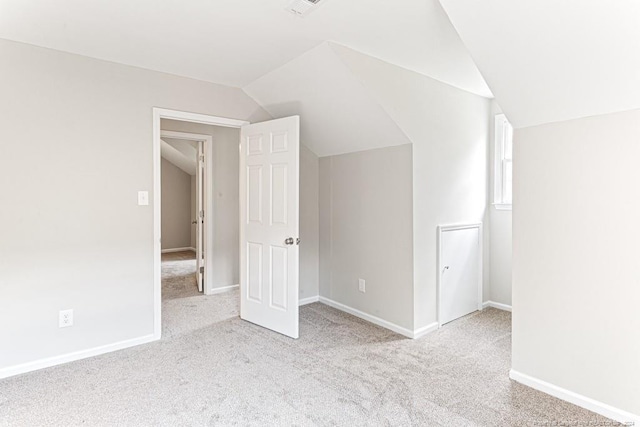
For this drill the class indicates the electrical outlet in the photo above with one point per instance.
(66, 318)
(362, 285)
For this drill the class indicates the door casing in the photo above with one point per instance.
(158, 115)
(440, 265)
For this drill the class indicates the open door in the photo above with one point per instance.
(269, 224)
(200, 233)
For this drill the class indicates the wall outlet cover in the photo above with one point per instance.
(65, 319)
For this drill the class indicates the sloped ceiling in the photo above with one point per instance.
(180, 153)
(234, 42)
(338, 112)
(550, 60)
(422, 107)
(349, 101)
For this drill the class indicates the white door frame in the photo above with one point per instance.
(443, 229)
(158, 115)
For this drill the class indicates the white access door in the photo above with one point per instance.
(200, 191)
(269, 224)
(460, 264)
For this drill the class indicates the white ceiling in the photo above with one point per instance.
(338, 113)
(550, 60)
(234, 42)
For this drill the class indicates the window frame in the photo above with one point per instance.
(503, 143)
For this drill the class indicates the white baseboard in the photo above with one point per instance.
(420, 332)
(380, 322)
(497, 305)
(222, 290)
(309, 300)
(168, 251)
(72, 357)
(575, 398)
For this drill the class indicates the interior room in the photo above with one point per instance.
(319, 213)
(179, 171)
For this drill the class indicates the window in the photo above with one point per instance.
(503, 163)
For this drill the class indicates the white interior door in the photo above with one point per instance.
(460, 266)
(269, 224)
(200, 233)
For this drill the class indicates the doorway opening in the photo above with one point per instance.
(184, 196)
(189, 243)
(248, 220)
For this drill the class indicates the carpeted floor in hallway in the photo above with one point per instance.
(211, 368)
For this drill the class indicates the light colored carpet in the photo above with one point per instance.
(211, 368)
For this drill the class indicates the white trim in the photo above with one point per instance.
(199, 118)
(425, 330)
(503, 206)
(454, 227)
(184, 135)
(380, 322)
(172, 250)
(158, 115)
(309, 300)
(71, 357)
(223, 289)
(497, 305)
(575, 398)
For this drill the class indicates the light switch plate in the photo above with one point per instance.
(143, 198)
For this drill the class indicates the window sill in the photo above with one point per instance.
(503, 206)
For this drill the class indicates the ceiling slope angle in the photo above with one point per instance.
(338, 113)
(548, 60)
(236, 42)
(180, 153)
(427, 110)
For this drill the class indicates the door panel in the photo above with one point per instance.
(460, 269)
(269, 224)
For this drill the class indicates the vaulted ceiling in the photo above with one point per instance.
(234, 42)
(344, 68)
(554, 60)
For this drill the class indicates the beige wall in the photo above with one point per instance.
(576, 275)
(176, 207)
(309, 224)
(75, 209)
(194, 209)
(366, 232)
(449, 130)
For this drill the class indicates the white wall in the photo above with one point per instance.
(450, 187)
(500, 235)
(366, 229)
(72, 234)
(176, 207)
(576, 275)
